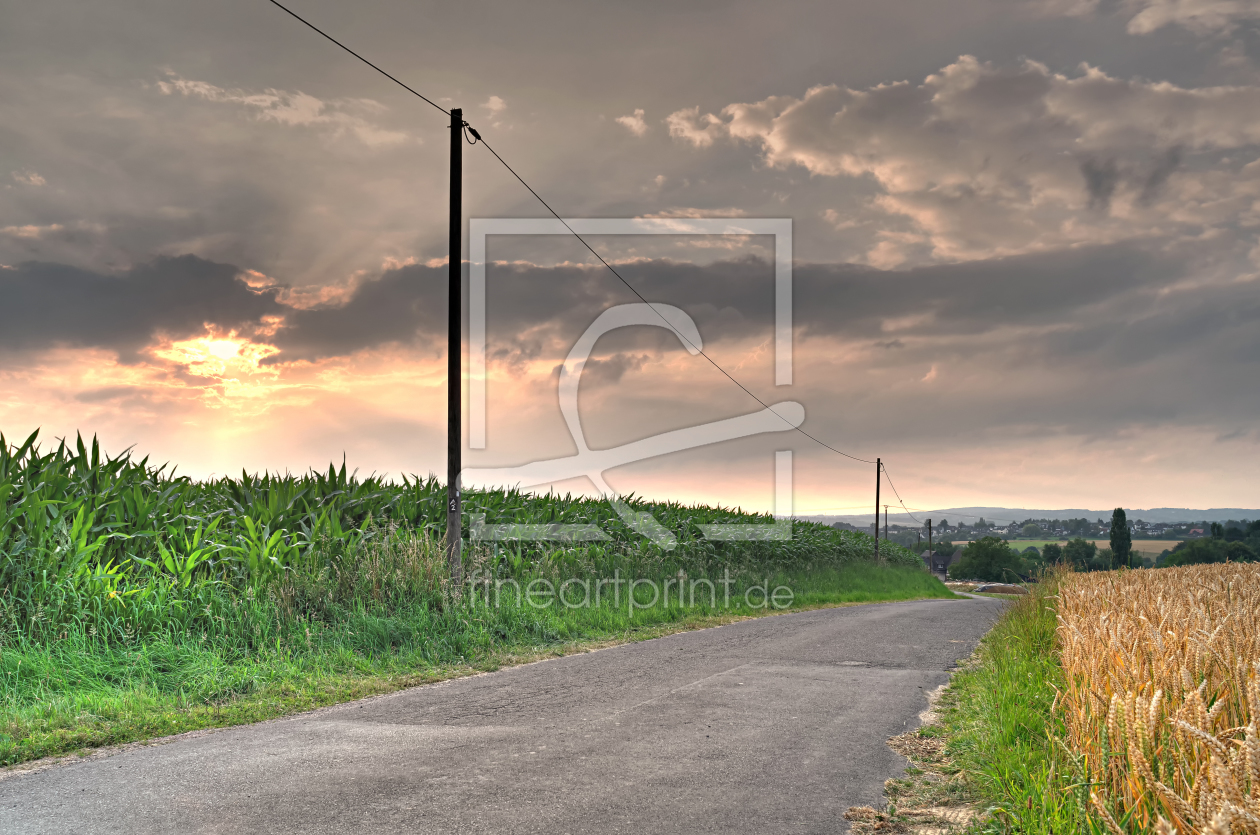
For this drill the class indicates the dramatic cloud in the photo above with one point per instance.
(981, 160)
(47, 305)
(391, 308)
(1119, 302)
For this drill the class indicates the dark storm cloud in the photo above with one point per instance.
(978, 296)
(734, 299)
(42, 304)
(1107, 307)
(48, 304)
(530, 308)
(1218, 326)
(391, 308)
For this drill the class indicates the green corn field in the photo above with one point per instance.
(125, 547)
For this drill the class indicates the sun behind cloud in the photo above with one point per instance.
(219, 356)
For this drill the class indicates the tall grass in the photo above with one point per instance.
(1003, 729)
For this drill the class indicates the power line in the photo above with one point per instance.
(357, 55)
(632, 289)
(546, 205)
(898, 495)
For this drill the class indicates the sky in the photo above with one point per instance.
(1025, 239)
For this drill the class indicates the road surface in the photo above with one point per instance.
(770, 725)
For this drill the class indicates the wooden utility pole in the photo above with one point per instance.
(879, 468)
(931, 553)
(455, 352)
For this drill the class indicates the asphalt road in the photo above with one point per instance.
(771, 725)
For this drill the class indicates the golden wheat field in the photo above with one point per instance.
(1161, 698)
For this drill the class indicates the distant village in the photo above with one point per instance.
(1038, 529)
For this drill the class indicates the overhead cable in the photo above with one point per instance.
(478, 139)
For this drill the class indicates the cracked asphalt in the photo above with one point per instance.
(769, 725)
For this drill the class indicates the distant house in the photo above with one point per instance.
(1195, 532)
(938, 563)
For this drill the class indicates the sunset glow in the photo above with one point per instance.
(219, 357)
(1054, 306)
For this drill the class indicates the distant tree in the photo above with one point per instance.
(1051, 554)
(1218, 530)
(1032, 562)
(984, 526)
(1032, 530)
(1121, 541)
(1203, 551)
(1238, 552)
(1079, 553)
(988, 558)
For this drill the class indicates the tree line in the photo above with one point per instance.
(993, 559)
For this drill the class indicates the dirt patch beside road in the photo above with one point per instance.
(932, 799)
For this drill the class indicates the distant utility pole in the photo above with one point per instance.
(879, 468)
(455, 351)
(885, 523)
(930, 554)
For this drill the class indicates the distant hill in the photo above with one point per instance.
(1005, 515)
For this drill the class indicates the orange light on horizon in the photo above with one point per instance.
(218, 356)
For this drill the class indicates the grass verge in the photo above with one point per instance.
(989, 757)
(1001, 729)
(81, 692)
